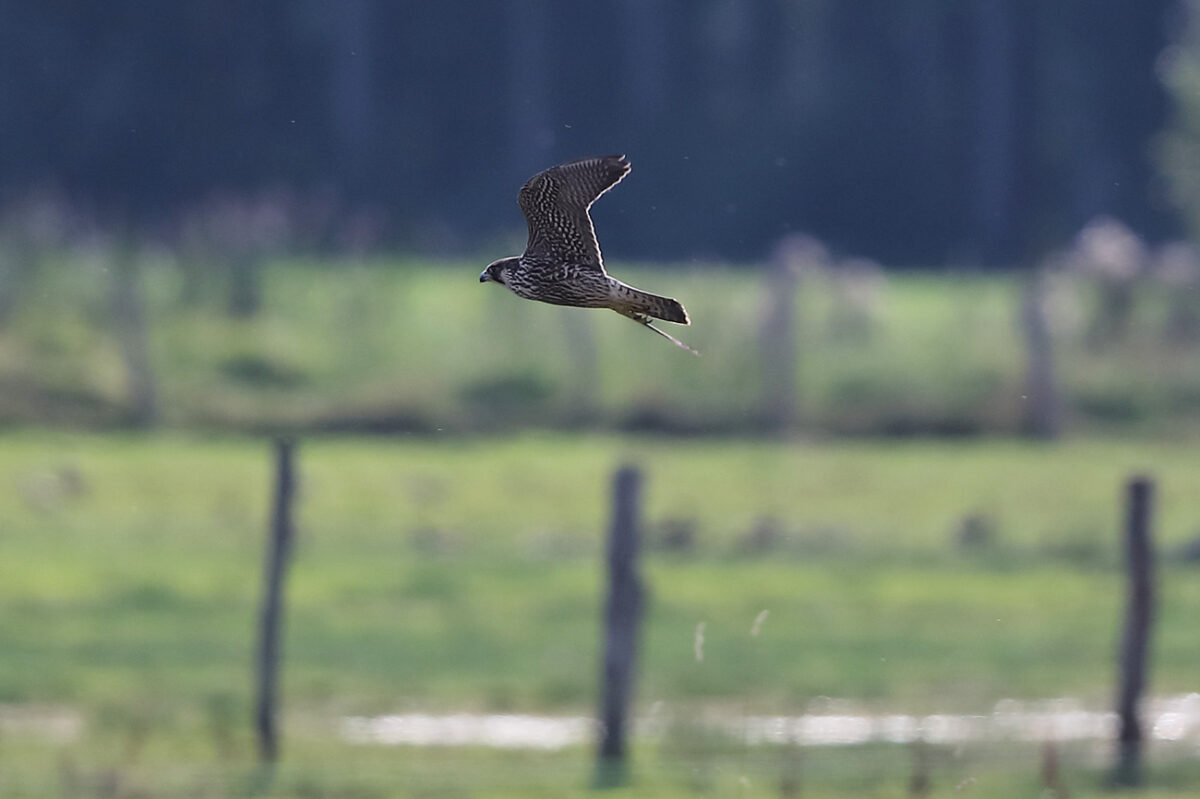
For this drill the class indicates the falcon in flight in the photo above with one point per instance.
(562, 263)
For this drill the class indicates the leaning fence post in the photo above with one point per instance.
(622, 617)
(1139, 612)
(279, 542)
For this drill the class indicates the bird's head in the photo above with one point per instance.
(497, 271)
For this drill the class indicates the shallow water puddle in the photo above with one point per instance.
(1168, 719)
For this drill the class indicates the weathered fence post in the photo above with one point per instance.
(778, 343)
(919, 782)
(1042, 416)
(1053, 786)
(1139, 613)
(132, 329)
(279, 542)
(622, 618)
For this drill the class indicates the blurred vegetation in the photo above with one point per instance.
(913, 133)
(404, 346)
(426, 579)
(323, 769)
(132, 563)
(1178, 145)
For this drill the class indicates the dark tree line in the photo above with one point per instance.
(917, 132)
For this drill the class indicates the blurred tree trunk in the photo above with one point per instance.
(920, 44)
(777, 342)
(1004, 131)
(645, 55)
(193, 257)
(804, 76)
(351, 83)
(1178, 149)
(532, 137)
(728, 33)
(245, 284)
(1042, 410)
(130, 324)
(18, 261)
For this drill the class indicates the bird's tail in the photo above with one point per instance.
(631, 301)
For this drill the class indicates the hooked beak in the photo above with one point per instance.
(484, 278)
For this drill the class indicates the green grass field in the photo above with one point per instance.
(449, 574)
(456, 565)
(404, 346)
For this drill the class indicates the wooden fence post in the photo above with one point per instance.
(130, 320)
(1042, 415)
(279, 541)
(622, 619)
(919, 783)
(1139, 614)
(1053, 786)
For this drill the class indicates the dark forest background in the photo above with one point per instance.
(920, 133)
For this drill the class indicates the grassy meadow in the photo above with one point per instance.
(902, 551)
(464, 574)
(403, 346)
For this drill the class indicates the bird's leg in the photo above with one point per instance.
(642, 319)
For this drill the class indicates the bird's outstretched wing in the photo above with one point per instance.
(556, 202)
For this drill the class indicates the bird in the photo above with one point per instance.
(562, 264)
